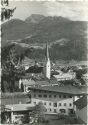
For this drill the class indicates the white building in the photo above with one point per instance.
(56, 99)
(17, 112)
(65, 76)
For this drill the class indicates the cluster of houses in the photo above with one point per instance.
(55, 97)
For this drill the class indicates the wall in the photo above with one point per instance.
(82, 114)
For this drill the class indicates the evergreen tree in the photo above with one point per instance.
(6, 11)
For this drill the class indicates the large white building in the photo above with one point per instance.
(56, 99)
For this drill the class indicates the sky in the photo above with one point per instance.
(72, 10)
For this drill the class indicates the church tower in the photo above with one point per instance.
(48, 65)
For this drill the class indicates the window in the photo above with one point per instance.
(45, 96)
(55, 104)
(70, 96)
(55, 110)
(64, 96)
(44, 103)
(22, 116)
(39, 91)
(71, 111)
(40, 96)
(49, 91)
(45, 91)
(62, 110)
(34, 103)
(34, 95)
(64, 104)
(50, 103)
(45, 110)
(50, 96)
(70, 104)
(59, 96)
(34, 90)
(59, 104)
(54, 96)
(50, 110)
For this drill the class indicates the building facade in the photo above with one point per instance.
(54, 98)
(53, 102)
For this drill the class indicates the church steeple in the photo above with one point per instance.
(47, 51)
(48, 65)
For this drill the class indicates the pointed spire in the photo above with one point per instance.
(47, 51)
(48, 66)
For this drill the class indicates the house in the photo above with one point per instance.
(65, 76)
(16, 112)
(55, 98)
(14, 106)
(82, 109)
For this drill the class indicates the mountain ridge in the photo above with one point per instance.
(67, 38)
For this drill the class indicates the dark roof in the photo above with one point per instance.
(34, 69)
(69, 89)
(81, 103)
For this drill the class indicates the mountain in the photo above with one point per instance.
(34, 18)
(67, 39)
(15, 29)
(52, 29)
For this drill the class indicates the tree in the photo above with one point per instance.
(25, 119)
(11, 69)
(6, 11)
(38, 113)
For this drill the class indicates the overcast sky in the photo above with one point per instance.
(72, 10)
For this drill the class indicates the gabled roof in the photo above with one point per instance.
(35, 69)
(81, 103)
(20, 107)
(67, 89)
